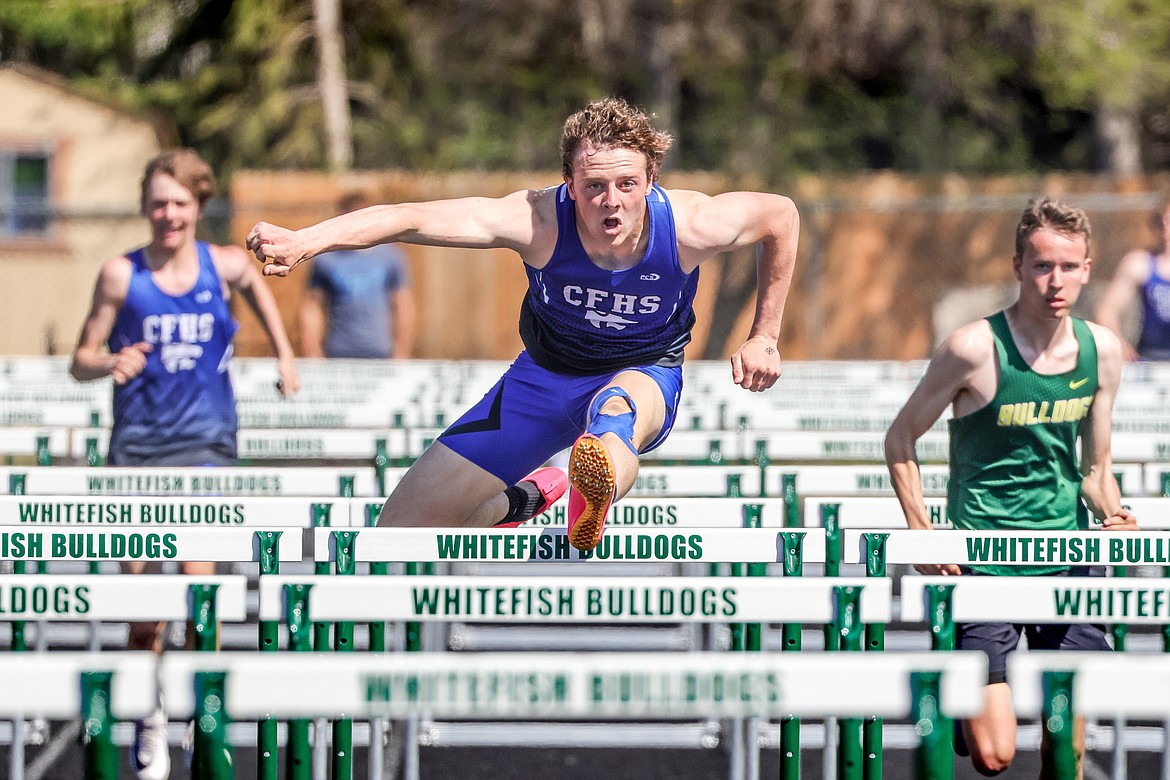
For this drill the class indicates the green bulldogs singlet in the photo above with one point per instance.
(1014, 463)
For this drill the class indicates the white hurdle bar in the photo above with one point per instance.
(595, 685)
(171, 512)
(143, 597)
(203, 482)
(524, 545)
(675, 512)
(1143, 601)
(885, 512)
(230, 544)
(334, 598)
(1016, 548)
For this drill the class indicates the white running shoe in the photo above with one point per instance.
(150, 755)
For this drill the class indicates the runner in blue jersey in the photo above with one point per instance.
(1144, 275)
(612, 262)
(161, 327)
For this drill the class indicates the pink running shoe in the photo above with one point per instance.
(591, 490)
(551, 483)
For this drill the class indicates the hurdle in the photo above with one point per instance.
(203, 600)
(571, 599)
(266, 546)
(218, 482)
(1056, 685)
(215, 688)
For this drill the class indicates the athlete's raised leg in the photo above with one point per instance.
(443, 488)
(625, 417)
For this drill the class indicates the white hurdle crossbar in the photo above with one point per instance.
(524, 545)
(333, 598)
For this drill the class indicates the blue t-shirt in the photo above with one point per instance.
(1154, 342)
(183, 399)
(580, 319)
(357, 284)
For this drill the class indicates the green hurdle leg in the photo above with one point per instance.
(269, 639)
(875, 640)
(762, 461)
(381, 463)
(99, 756)
(321, 630)
(44, 454)
(833, 554)
(847, 601)
(212, 759)
(791, 641)
(299, 760)
(1059, 751)
(734, 486)
(933, 758)
(345, 566)
(791, 501)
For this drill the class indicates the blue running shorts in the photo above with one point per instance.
(999, 640)
(532, 414)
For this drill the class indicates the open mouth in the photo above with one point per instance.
(611, 223)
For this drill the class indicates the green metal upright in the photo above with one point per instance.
(753, 632)
(203, 617)
(44, 454)
(377, 629)
(381, 463)
(345, 566)
(321, 519)
(833, 542)
(92, 456)
(734, 487)
(762, 461)
(875, 640)
(212, 757)
(939, 599)
(791, 501)
(267, 741)
(847, 622)
(1058, 724)
(933, 759)
(790, 642)
(345, 486)
(99, 755)
(299, 758)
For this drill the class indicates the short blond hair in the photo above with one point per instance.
(614, 123)
(1049, 214)
(187, 168)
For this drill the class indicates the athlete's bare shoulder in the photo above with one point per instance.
(970, 346)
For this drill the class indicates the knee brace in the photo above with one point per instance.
(621, 425)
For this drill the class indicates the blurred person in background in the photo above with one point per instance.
(161, 327)
(357, 302)
(612, 261)
(1024, 385)
(1142, 274)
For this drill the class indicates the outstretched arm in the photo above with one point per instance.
(1131, 274)
(1098, 485)
(951, 371)
(512, 222)
(733, 220)
(236, 269)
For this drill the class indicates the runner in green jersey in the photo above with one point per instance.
(1023, 385)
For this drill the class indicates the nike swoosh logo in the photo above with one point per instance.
(1076, 384)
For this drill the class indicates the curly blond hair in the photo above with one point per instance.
(613, 123)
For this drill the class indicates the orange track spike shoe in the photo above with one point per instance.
(591, 491)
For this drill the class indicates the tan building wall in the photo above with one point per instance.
(97, 157)
(888, 264)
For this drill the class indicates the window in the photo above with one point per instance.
(24, 194)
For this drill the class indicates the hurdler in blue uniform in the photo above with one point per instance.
(181, 407)
(160, 326)
(612, 262)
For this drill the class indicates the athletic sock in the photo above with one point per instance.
(523, 500)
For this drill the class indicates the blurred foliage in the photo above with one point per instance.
(765, 89)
